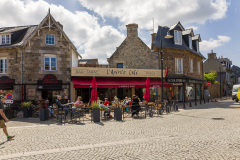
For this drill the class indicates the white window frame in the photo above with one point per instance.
(179, 65)
(197, 46)
(4, 65)
(5, 39)
(198, 65)
(178, 37)
(50, 65)
(191, 65)
(190, 42)
(46, 39)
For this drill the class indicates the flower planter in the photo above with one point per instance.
(96, 115)
(44, 114)
(25, 112)
(118, 114)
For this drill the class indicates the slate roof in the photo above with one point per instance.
(19, 34)
(236, 70)
(169, 43)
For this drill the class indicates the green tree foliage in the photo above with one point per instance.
(211, 77)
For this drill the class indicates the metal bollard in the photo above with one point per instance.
(176, 107)
(190, 104)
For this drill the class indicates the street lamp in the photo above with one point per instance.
(221, 80)
(160, 54)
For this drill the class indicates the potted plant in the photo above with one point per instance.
(27, 111)
(117, 112)
(95, 112)
(44, 113)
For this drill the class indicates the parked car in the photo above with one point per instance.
(235, 91)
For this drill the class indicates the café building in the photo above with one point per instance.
(120, 82)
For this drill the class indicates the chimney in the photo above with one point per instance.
(132, 30)
(60, 25)
(212, 55)
(153, 38)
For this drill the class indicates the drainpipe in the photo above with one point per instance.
(21, 76)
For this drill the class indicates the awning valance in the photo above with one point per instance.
(105, 82)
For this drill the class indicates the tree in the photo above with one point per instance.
(211, 77)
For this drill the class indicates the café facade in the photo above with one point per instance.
(120, 82)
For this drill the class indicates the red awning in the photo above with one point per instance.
(105, 82)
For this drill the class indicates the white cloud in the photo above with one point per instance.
(81, 27)
(213, 43)
(164, 12)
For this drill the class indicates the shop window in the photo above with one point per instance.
(50, 63)
(3, 65)
(50, 39)
(120, 65)
(179, 65)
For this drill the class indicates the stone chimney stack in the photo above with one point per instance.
(212, 55)
(132, 30)
(153, 38)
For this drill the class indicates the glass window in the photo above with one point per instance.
(50, 63)
(197, 45)
(120, 65)
(179, 66)
(191, 65)
(198, 67)
(3, 65)
(50, 39)
(6, 39)
(190, 42)
(178, 37)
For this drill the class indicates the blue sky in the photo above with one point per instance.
(97, 27)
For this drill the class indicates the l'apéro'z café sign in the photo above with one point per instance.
(115, 72)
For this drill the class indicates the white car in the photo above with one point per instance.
(235, 91)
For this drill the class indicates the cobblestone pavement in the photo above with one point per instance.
(207, 131)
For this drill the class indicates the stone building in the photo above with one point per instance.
(133, 52)
(224, 72)
(36, 60)
(182, 57)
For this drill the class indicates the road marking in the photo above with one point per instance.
(83, 147)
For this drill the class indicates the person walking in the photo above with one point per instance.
(3, 117)
(206, 95)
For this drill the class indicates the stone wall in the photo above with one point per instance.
(133, 52)
(169, 56)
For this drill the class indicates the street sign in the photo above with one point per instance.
(208, 83)
(9, 101)
(9, 96)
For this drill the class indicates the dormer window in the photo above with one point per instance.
(190, 42)
(197, 46)
(177, 37)
(5, 39)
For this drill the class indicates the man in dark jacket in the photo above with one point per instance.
(60, 106)
(3, 117)
(135, 106)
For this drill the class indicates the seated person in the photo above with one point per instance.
(129, 102)
(125, 101)
(106, 103)
(115, 102)
(79, 102)
(60, 106)
(106, 112)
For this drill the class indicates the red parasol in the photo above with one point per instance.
(94, 90)
(147, 91)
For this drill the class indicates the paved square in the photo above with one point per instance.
(207, 131)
